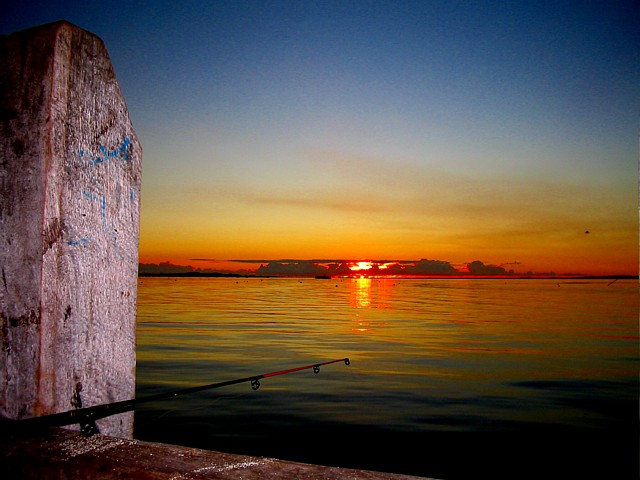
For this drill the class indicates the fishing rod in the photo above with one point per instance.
(87, 417)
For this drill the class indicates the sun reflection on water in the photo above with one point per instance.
(361, 292)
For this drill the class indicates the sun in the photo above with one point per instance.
(360, 266)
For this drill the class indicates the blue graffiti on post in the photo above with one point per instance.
(120, 153)
(81, 241)
(105, 155)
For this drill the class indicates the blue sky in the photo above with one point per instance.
(498, 131)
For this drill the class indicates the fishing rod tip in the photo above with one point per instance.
(347, 361)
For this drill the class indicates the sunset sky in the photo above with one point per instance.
(446, 130)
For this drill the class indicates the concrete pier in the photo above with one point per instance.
(63, 454)
(70, 174)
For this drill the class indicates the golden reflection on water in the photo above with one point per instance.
(361, 292)
(368, 293)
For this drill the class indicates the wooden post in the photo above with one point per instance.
(70, 171)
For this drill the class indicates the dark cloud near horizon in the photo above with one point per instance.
(340, 267)
(480, 269)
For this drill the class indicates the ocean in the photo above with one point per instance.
(448, 378)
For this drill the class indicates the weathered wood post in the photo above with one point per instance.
(70, 172)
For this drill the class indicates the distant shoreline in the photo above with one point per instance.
(409, 277)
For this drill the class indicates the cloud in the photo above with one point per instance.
(431, 267)
(479, 268)
(322, 198)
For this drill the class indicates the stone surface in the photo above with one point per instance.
(70, 174)
(62, 454)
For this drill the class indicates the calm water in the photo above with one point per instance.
(448, 378)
